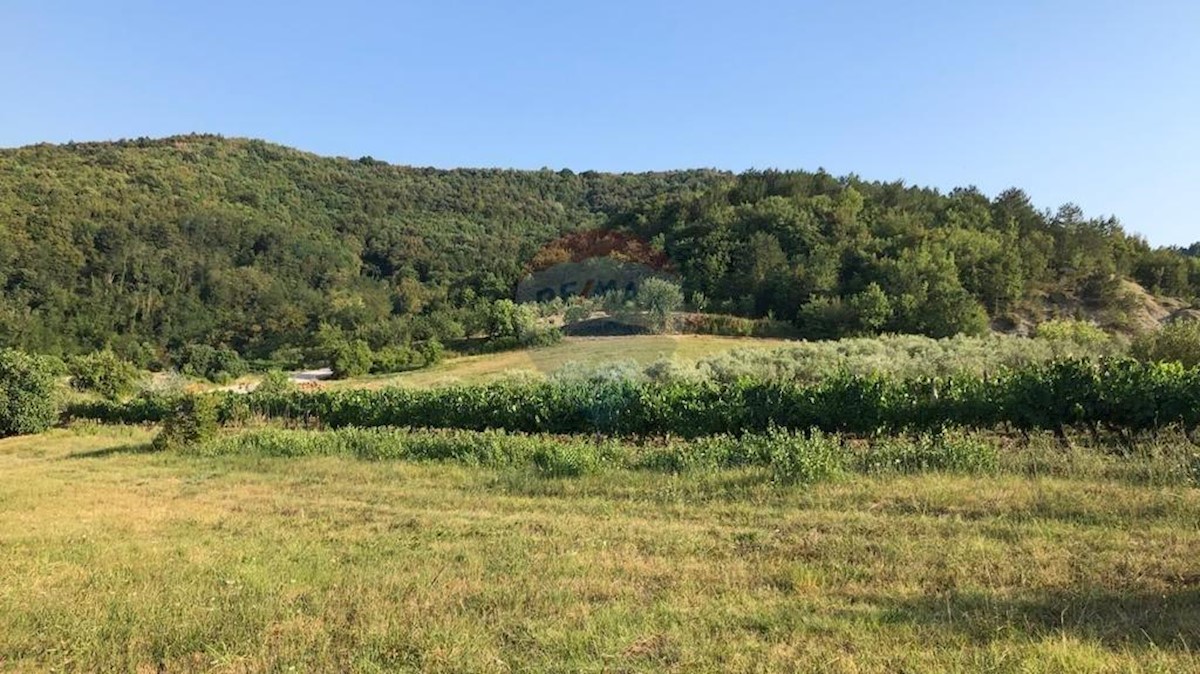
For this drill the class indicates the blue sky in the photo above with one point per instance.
(1093, 102)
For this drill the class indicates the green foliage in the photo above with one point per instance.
(1177, 342)
(871, 309)
(795, 458)
(194, 420)
(945, 453)
(576, 313)
(825, 318)
(512, 325)
(275, 382)
(153, 244)
(396, 359)
(432, 352)
(899, 356)
(216, 364)
(659, 298)
(103, 373)
(28, 393)
(507, 319)
(1081, 333)
(350, 358)
(734, 326)
(1122, 397)
(787, 457)
(566, 459)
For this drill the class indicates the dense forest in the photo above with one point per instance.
(151, 247)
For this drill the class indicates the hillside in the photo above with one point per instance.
(150, 245)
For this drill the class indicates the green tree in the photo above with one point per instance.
(351, 358)
(28, 394)
(871, 309)
(659, 298)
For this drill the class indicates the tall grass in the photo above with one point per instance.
(783, 457)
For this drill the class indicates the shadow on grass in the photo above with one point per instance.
(133, 448)
(1168, 621)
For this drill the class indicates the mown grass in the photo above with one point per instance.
(112, 557)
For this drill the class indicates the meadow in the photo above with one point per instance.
(113, 557)
(879, 505)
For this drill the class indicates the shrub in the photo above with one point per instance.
(432, 352)
(576, 313)
(1075, 338)
(216, 364)
(275, 382)
(351, 359)
(871, 309)
(193, 421)
(796, 458)
(28, 394)
(507, 319)
(825, 318)
(1175, 342)
(550, 456)
(102, 373)
(391, 359)
(1191, 467)
(1084, 333)
(542, 335)
(659, 298)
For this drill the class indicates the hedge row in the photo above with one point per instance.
(1122, 396)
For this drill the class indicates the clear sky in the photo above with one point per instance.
(1091, 101)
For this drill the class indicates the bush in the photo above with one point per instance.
(825, 318)
(275, 382)
(550, 456)
(102, 373)
(1075, 338)
(28, 394)
(1084, 333)
(576, 313)
(193, 421)
(871, 309)
(432, 352)
(659, 298)
(216, 364)
(351, 359)
(391, 359)
(797, 458)
(735, 326)
(1175, 342)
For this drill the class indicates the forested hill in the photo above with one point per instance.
(150, 245)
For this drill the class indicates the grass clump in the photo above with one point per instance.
(926, 453)
(796, 458)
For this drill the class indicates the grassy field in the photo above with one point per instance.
(112, 557)
(640, 349)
